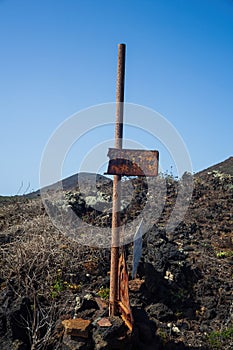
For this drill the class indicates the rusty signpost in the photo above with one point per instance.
(123, 162)
(117, 183)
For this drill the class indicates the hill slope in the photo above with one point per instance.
(225, 167)
(184, 286)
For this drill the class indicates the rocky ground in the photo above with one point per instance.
(182, 297)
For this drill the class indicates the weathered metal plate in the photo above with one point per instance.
(128, 162)
(123, 293)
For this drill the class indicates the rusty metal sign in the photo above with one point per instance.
(132, 162)
(123, 293)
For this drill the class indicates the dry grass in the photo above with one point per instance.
(38, 262)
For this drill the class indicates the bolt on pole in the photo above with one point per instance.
(113, 297)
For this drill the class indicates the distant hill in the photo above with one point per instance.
(225, 167)
(71, 182)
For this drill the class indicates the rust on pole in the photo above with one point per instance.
(113, 297)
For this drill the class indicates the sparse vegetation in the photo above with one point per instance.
(217, 339)
(103, 293)
(37, 262)
(224, 254)
(163, 336)
(43, 273)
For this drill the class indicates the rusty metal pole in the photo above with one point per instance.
(117, 183)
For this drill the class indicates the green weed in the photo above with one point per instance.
(103, 293)
(216, 339)
(58, 285)
(224, 254)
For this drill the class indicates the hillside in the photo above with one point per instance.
(71, 182)
(182, 297)
(225, 167)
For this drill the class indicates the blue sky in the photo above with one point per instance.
(59, 57)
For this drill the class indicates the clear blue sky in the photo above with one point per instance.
(59, 56)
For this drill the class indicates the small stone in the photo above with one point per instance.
(104, 322)
(87, 297)
(159, 311)
(135, 285)
(77, 327)
(101, 303)
(78, 303)
(175, 330)
(73, 344)
(169, 276)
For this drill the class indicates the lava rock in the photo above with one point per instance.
(113, 337)
(160, 311)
